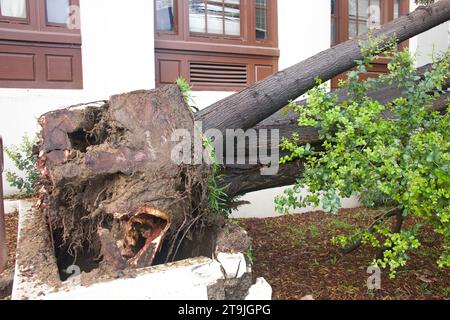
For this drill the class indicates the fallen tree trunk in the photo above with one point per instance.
(287, 122)
(249, 107)
(242, 179)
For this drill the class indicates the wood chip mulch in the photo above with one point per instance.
(295, 255)
(11, 224)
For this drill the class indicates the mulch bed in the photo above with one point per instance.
(295, 255)
(11, 222)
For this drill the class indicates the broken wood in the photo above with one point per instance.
(249, 107)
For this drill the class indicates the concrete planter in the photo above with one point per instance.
(37, 276)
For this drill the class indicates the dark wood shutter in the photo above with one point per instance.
(38, 54)
(340, 16)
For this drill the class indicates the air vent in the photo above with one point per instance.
(203, 73)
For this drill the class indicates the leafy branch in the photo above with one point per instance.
(404, 163)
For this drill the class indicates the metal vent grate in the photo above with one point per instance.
(204, 73)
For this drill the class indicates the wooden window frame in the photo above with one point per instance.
(16, 19)
(248, 24)
(53, 26)
(267, 19)
(342, 32)
(210, 35)
(221, 47)
(36, 28)
(335, 17)
(168, 34)
(49, 44)
(16, 25)
(342, 17)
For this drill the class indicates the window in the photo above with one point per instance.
(333, 23)
(397, 11)
(261, 19)
(40, 44)
(57, 11)
(216, 44)
(165, 19)
(362, 16)
(215, 17)
(352, 18)
(16, 9)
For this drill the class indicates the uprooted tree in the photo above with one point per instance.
(109, 179)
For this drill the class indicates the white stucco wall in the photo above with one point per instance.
(434, 41)
(303, 30)
(118, 46)
(431, 42)
(118, 56)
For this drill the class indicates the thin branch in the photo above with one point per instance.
(379, 219)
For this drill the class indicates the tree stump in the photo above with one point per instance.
(109, 180)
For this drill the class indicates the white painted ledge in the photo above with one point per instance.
(11, 206)
(261, 290)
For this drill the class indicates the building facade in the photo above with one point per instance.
(55, 53)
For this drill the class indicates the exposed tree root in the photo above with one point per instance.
(110, 182)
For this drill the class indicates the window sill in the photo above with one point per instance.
(217, 48)
(63, 36)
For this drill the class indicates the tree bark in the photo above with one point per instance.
(249, 107)
(244, 179)
(287, 122)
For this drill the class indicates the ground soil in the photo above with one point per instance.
(295, 255)
(11, 221)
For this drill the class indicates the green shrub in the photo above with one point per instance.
(218, 199)
(22, 157)
(402, 159)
